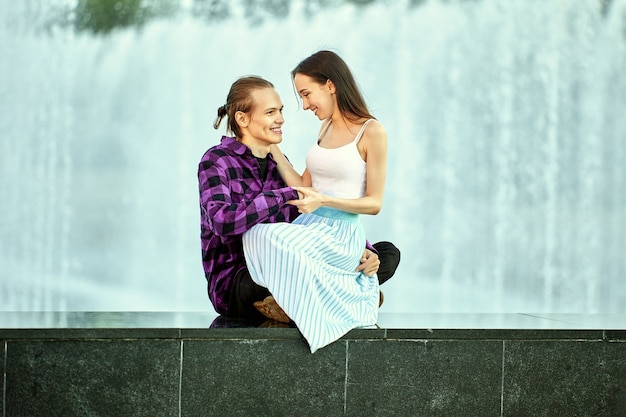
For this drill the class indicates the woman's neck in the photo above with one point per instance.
(342, 123)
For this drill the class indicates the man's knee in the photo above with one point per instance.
(389, 256)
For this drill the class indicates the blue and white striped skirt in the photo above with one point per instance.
(309, 266)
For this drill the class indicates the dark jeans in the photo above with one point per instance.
(245, 291)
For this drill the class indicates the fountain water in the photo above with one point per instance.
(505, 189)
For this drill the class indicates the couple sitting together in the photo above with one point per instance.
(286, 246)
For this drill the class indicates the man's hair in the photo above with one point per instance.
(239, 99)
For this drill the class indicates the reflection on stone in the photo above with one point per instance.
(273, 324)
(223, 322)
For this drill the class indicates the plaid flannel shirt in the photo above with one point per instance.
(233, 198)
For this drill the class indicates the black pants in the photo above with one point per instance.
(244, 291)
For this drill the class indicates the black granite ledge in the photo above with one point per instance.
(611, 336)
(194, 364)
(209, 326)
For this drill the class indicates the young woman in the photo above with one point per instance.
(309, 266)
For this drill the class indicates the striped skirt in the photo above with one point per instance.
(309, 266)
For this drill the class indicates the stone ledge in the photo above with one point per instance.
(611, 336)
(198, 325)
(172, 364)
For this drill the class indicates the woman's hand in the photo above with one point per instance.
(286, 170)
(310, 200)
(369, 263)
(275, 151)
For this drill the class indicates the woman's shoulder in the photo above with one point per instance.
(374, 129)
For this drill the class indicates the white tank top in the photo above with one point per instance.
(339, 172)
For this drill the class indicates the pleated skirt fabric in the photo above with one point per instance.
(309, 266)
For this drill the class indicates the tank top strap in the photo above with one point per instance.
(358, 135)
(325, 125)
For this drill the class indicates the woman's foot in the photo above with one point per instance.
(270, 309)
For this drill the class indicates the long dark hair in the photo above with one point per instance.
(327, 65)
(239, 99)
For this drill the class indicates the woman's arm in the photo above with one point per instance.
(287, 171)
(373, 144)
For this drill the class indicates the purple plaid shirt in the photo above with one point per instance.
(233, 198)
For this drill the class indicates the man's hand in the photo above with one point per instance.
(369, 263)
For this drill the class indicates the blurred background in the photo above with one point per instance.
(506, 187)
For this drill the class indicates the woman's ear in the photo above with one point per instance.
(331, 86)
(242, 119)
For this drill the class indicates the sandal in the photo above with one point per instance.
(270, 309)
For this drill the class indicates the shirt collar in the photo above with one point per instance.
(239, 148)
(234, 145)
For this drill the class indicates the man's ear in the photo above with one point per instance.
(242, 119)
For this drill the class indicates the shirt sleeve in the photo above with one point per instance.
(369, 246)
(226, 217)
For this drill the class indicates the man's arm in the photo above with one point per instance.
(227, 217)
